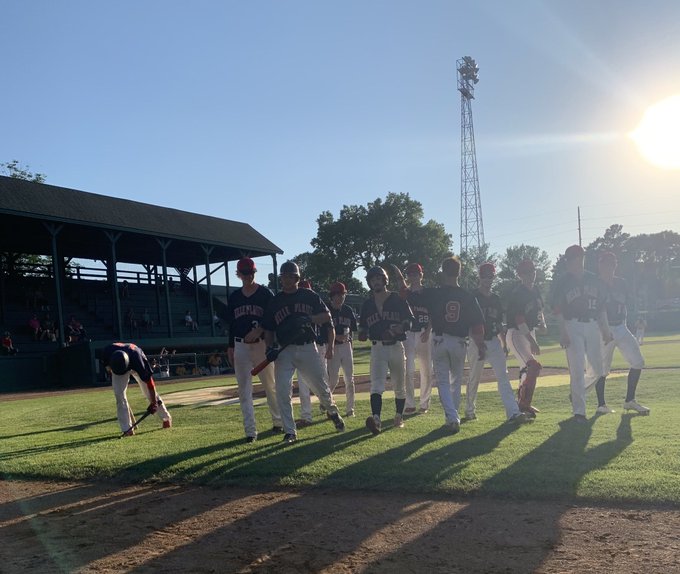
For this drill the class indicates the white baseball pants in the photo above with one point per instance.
(415, 348)
(304, 358)
(585, 344)
(495, 356)
(386, 358)
(120, 385)
(519, 346)
(343, 357)
(246, 356)
(448, 357)
(304, 391)
(627, 344)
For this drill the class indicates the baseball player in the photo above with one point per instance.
(617, 298)
(492, 310)
(524, 316)
(384, 318)
(123, 360)
(345, 323)
(247, 348)
(304, 392)
(454, 315)
(417, 344)
(578, 302)
(288, 320)
(640, 326)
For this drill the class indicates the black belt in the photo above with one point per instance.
(418, 330)
(385, 343)
(490, 338)
(616, 323)
(449, 334)
(301, 343)
(242, 340)
(584, 319)
(339, 342)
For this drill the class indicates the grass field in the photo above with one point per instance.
(619, 457)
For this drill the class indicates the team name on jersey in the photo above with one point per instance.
(297, 308)
(374, 318)
(255, 310)
(577, 292)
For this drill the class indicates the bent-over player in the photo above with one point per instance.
(524, 316)
(345, 323)
(288, 320)
(245, 311)
(123, 360)
(616, 303)
(492, 310)
(384, 318)
(417, 344)
(578, 302)
(455, 315)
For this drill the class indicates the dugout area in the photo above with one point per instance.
(126, 270)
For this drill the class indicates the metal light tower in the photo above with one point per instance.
(471, 227)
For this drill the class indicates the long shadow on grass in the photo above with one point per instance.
(72, 428)
(500, 521)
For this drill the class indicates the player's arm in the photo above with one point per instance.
(603, 324)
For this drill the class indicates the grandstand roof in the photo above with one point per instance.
(86, 218)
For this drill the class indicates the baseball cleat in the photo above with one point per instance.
(129, 432)
(338, 422)
(410, 410)
(349, 413)
(398, 421)
(580, 419)
(277, 429)
(250, 439)
(424, 410)
(470, 416)
(635, 406)
(289, 438)
(167, 424)
(520, 419)
(604, 410)
(302, 423)
(373, 424)
(453, 426)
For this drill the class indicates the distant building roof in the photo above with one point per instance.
(86, 219)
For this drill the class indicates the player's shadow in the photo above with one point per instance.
(502, 517)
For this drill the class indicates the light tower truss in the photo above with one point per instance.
(471, 226)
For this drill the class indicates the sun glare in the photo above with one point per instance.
(658, 134)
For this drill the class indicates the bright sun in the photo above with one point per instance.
(658, 133)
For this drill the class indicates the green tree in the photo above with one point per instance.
(381, 232)
(15, 169)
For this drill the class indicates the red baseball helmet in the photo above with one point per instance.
(526, 266)
(414, 268)
(338, 289)
(246, 266)
(487, 269)
(574, 251)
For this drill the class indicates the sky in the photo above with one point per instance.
(271, 112)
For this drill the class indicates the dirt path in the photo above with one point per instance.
(57, 527)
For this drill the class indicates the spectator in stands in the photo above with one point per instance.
(189, 321)
(8, 347)
(125, 289)
(164, 364)
(147, 322)
(171, 284)
(217, 322)
(131, 322)
(215, 363)
(48, 331)
(76, 331)
(35, 327)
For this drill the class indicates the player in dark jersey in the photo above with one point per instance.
(247, 348)
(123, 360)
(616, 304)
(578, 302)
(287, 320)
(384, 319)
(345, 323)
(525, 316)
(493, 312)
(454, 315)
(417, 344)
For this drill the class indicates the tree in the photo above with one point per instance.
(382, 232)
(470, 262)
(15, 169)
(506, 275)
